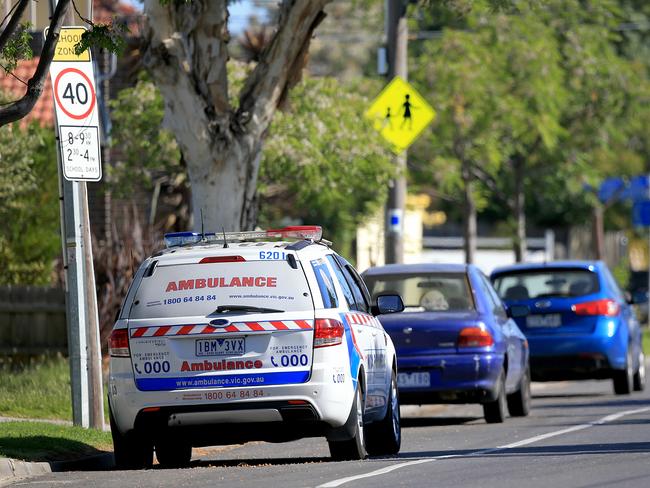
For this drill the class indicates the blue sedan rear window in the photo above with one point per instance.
(432, 292)
(532, 284)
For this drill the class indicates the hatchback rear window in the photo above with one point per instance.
(533, 284)
(434, 292)
(198, 289)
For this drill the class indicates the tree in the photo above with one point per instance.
(221, 137)
(460, 80)
(29, 237)
(14, 45)
(323, 162)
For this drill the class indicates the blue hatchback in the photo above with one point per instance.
(455, 340)
(580, 324)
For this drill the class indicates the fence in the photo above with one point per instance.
(32, 321)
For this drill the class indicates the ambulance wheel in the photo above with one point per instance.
(173, 453)
(131, 450)
(355, 447)
(384, 438)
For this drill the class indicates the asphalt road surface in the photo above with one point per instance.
(577, 435)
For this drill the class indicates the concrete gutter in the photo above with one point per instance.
(13, 469)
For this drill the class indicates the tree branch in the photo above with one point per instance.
(13, 22)
(18, 109)
(281, 63)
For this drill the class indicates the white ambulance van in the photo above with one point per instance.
(267, 335)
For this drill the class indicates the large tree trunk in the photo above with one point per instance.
(469, 220)
(519, 211)
(187, 54)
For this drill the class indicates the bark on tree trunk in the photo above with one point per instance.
(186, 53)
(519, 211)
(469, 221)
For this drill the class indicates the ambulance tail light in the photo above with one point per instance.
(328, 332)
(474, 337)
(119, 344)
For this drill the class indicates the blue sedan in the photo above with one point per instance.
(580, 325)
(456, 342)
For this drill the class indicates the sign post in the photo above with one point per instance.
(399, 114)
(77, 125)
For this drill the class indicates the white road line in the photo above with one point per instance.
(524, 442)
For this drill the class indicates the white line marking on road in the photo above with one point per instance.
(523, 442)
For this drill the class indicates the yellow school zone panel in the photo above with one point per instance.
(400, 114)
(68, 39)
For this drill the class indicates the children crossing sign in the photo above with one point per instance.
(400, 114)
(75, 102)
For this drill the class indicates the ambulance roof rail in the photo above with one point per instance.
(312, 233)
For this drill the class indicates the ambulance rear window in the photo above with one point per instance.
(198, 289)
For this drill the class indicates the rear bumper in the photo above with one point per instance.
(579, 367)
(258, 413)
(588, 356)
(204, 425)
(457, 378)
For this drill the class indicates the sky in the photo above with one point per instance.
(240, 12)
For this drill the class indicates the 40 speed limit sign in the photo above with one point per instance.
(75, 102)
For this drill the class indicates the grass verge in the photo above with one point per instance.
(646, 341)
(40, 441)
(37, 389)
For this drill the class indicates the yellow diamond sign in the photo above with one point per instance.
(400, 113)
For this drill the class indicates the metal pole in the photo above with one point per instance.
(81, 301)
(397, 34)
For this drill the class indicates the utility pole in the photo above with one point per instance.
(397, 35)
(81, 298)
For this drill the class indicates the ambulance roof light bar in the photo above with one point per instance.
(309, 232)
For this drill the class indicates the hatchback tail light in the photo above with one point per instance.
(605, 307)
(119, 344)
(328, 332)
(474, 337)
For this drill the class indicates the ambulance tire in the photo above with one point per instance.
(130, 450)
(354, 448)
(384, 438)
(173, 453)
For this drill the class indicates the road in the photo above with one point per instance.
(577, 435)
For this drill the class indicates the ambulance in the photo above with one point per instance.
(250, 336)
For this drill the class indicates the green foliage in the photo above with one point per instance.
(17, 48)
(558, 85)
(29, 238)
(106, 36)
(146, 151)
(323, 162)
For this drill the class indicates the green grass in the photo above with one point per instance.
(646, 341)
(39, 441)
(38, 389)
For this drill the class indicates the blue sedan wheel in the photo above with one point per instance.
(495, 411)
(519, 401)
(639, 376)
(624, 379)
